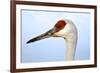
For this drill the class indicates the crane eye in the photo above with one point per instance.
(60, 25)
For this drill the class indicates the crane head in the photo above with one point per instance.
(59, 30)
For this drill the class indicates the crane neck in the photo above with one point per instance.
(70, 48)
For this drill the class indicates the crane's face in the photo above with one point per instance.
(59, 30)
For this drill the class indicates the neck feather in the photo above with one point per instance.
(71, 47)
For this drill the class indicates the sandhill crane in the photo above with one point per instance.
(66, 29)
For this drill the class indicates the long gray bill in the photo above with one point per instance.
(42, 36)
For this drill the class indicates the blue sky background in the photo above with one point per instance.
(52, 49)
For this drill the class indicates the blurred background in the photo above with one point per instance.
(36, 22)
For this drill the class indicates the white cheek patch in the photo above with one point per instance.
(68, 29)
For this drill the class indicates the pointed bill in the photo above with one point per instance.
(42, 36)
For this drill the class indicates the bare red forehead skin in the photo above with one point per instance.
(60, 25)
